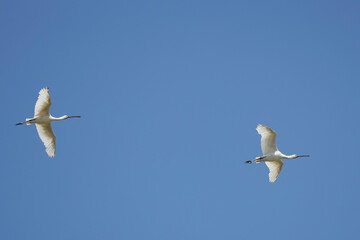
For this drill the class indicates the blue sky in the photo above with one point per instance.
(170, 93)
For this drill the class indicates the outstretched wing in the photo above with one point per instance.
(47, 136)
(268, 139)
(43, 103)
(275, 168)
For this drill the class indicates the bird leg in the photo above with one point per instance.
(257, 160)
(250, 161)
(28, 121)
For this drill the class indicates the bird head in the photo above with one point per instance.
(66, 117)
(297, 156)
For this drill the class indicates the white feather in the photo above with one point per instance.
(268, 139)
(42, 106)
(275, 168)
(47, 136)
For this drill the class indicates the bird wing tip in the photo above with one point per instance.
(44, 89)
(50, 153)
(264, 129)
(260, 128)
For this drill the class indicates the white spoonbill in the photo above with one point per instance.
(42, 120)
(271, 154)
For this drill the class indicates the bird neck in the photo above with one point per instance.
(290, 156)
(59, 118)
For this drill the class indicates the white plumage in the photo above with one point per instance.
(47, 136)
(274, 169)
(43, 119)
(42, 106)
(271, 155)
(268, 139)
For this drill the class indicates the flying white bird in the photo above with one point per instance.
(271, 155)
(42, 120)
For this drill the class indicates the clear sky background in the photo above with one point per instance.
(170, 93)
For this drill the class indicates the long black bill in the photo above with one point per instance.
(304, 156)
(74, 116)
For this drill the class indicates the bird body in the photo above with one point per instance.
(271, 155)
(42, 120)
(276, 156)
